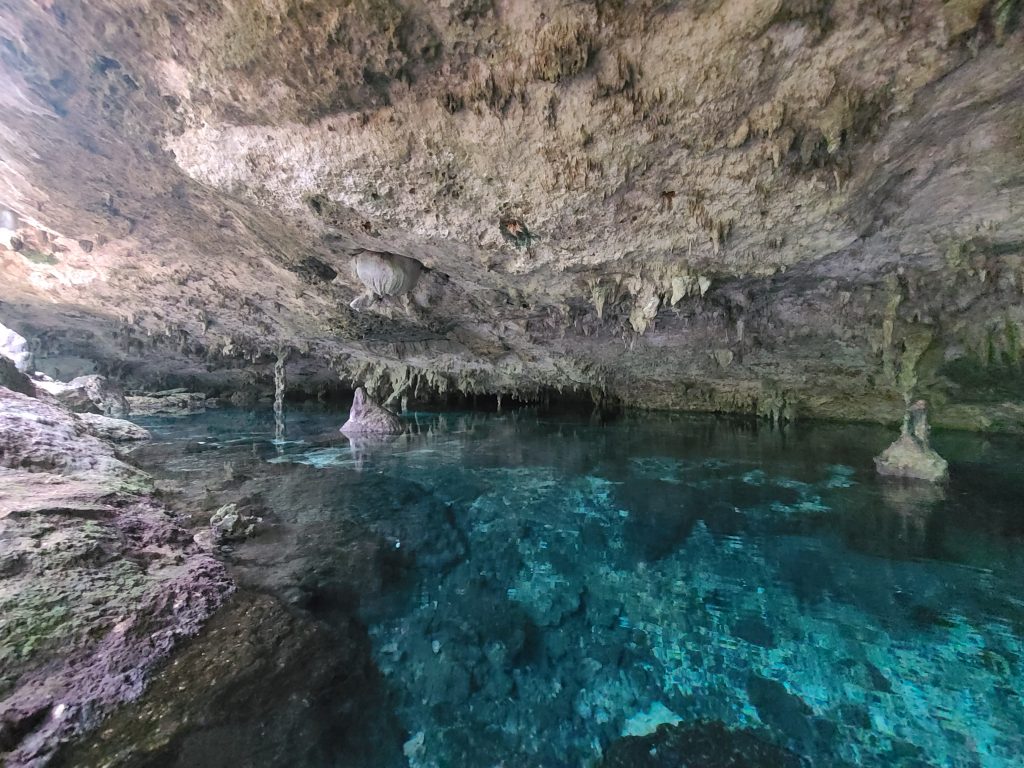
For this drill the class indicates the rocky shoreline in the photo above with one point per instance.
(99, 579)
(131, 630)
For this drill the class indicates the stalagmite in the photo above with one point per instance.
(368, 418)
(911, 456)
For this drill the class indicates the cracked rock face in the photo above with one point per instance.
(787, 207)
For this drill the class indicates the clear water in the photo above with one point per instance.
(557, 584)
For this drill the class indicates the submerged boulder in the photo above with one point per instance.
(911, 456)
(707, 744)
(368, 418)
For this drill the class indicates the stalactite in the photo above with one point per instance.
(279, 384)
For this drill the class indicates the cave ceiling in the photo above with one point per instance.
(774, 206)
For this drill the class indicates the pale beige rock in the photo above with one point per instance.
(911, 456)
(368, 418)
(14, 346)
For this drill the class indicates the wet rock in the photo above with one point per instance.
(173, 402)
(785, 712)
(229, 523)
(911, 456)
(97, 579)
(706, 744)
(14, 347)
(223, 695)
(89, 394)
(367, 418)
(659, 521)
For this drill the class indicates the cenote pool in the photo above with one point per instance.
(534, 588)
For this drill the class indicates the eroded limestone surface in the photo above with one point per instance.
(781, 208)
(98, 581)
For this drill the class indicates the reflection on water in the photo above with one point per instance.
(554, 585)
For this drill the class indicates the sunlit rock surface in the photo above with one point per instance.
(15, 347)
(798, 208)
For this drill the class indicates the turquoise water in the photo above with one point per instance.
(542, 587)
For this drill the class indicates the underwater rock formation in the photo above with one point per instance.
(233, 676)
(705, 744)
(98, 581)
(367, 418)
(911, 456)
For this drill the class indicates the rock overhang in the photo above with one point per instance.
(836, 183)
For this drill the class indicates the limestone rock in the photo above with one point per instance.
(766, 161)
(168, 403)
(14, 347)
(229, 523)
(385, 274)
(14, 379)
(114, 430)
(81, 538)
(89, 394)
(41, 437)
(367, 418)
(911, 456)
(224, 688)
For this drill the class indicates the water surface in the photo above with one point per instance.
(538, 587)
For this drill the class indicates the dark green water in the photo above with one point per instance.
(556, 584)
